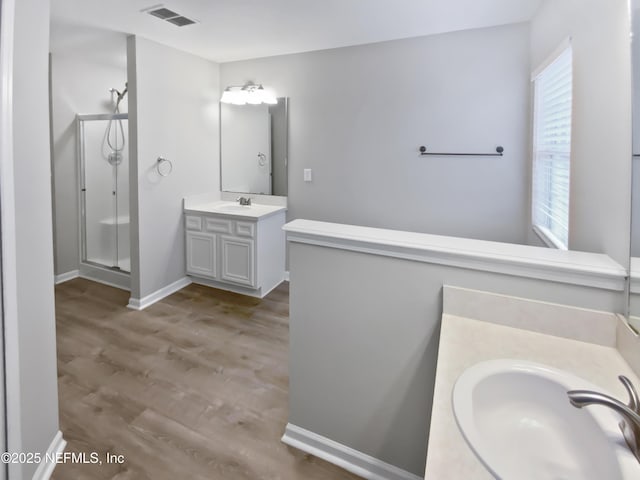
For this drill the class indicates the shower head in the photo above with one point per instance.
(124, 92)
(119, 95)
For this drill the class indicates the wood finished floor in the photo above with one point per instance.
(194, 387)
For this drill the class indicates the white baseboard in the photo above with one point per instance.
(65, 277)
(46, 467)
(345, 457)
(144, 302)
(286, 276)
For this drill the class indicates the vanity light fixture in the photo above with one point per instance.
(249, 93)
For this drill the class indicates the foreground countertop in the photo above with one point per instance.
(465, 342)
(254, 211)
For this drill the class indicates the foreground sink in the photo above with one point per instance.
(517, 419)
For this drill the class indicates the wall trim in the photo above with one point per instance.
(47, 466)
(571, 267)
(66, 276)
(345, 457)
(287, 277)
(144, 302)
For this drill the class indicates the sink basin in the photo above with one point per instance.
(234, 207)
(517, 419)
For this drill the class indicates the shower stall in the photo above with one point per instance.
(104, 191)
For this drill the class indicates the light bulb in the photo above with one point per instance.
(250, 93)
(269, 98)
(253, 96)
(234, 96)
(238, 97)
(227, 96)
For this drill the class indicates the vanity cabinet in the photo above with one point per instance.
(233, 252)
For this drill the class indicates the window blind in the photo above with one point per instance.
(552, 150)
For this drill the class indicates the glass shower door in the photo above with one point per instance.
(104, 178)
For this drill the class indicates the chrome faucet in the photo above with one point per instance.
(244, 200)
(630, 423)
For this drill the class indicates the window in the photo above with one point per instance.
(552, 150)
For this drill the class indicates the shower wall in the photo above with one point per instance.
(85, 64)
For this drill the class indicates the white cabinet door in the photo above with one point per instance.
(238, 261)
(201, 254)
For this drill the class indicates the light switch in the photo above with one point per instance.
(307, 174)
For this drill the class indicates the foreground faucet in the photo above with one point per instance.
(244, 200)
(630, 423)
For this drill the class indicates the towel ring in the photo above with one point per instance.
(164, 171)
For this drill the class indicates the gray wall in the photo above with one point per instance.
(85, 63)
(359, 114)
(173, 112)
(601, 129)
(364, 335)
(364, 329)
(27, 245)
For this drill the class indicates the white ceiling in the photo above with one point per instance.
(240, 29)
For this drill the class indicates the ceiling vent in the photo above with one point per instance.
(159, 11)
(181, 21)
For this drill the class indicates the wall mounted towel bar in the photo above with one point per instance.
(499, 153)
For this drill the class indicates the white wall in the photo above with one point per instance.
(173, 112)
(27, 245)
(601, 129)
(359, 114)
(635, 64)
(85, 64)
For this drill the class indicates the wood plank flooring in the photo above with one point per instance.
(194, 387)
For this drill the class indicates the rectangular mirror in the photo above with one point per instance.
(254, 148)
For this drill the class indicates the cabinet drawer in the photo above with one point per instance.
(246, 229)
(193, 223)
(217, 225)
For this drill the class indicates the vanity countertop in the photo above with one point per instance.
(254, 211)
(465, 342)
